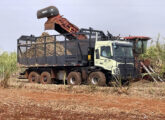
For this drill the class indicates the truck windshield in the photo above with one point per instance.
(123, 51)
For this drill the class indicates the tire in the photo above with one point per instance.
(34, 77)
(163, 75)
(97, 78)
(45, 78)
(74, 78)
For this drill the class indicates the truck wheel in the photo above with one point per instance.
(34, 77)
(97, 78)
(45, 78)
(163, 75)
(74, 78)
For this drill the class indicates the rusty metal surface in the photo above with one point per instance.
(63, 26)
(137, 37)
(57, 22)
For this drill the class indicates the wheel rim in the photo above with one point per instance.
(33, 78)
(95, 80)
(72, 80)
(45, 79)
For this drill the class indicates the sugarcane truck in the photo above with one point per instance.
(95, 58)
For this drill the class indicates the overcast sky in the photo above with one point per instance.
(124, 17)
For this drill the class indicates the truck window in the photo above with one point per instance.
(138, 48)
(122, 51)
(144, 46)
(105, 51)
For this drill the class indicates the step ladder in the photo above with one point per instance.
(150, 71)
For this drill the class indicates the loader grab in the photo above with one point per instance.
(59, 23)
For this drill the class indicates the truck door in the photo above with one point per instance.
(102, 56)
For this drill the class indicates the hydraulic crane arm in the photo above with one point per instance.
(57, 22)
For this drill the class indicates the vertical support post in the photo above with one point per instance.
(90, 38)
(77, 48)
(55, 50)
(65, 49)
(89, 49)
(80, 51)
(35, 51)
(26, 53)
(45, 49)
(96, 36)
(31, 46)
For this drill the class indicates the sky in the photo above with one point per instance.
(124, 17)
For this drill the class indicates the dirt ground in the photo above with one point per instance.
(57, 102)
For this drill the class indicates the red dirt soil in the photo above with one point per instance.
(41, 104)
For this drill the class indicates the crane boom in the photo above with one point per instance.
(59, 23)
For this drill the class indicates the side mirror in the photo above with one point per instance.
(97, 54)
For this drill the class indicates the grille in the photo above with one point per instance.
(127, 70)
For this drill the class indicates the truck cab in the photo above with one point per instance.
(115, 56)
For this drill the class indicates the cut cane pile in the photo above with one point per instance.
(50, 48)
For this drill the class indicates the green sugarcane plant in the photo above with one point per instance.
(8, 65)
(156, 54)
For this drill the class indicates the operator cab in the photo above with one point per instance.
(139, 44)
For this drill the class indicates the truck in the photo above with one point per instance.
(79, 55)
(98, 59)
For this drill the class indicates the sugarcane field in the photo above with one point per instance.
(82, 60)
